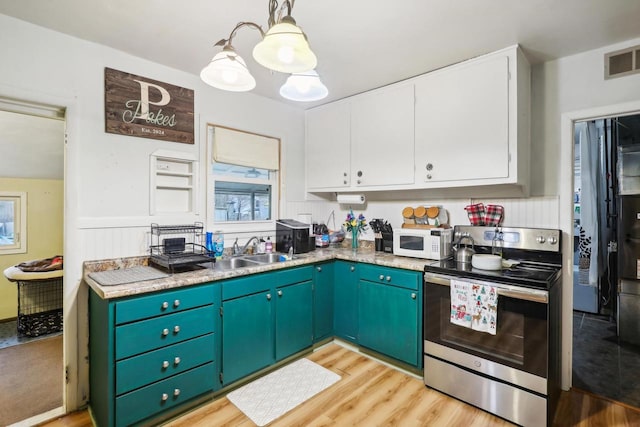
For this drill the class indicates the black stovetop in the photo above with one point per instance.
(528, 274)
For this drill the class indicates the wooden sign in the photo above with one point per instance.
(137, 106)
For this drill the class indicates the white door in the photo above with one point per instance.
(462, 122)
(382, 137)
(328, 145)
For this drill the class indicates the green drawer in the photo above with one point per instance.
(155, 398)
(242, 286)
(163, 303)
(295, 275)
(150, 334)
(390, 276)
(159, 364)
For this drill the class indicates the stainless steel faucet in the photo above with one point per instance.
(246, 245)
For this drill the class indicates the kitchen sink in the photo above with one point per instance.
(246, 261)
(264, 258)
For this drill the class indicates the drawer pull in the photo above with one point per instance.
(165, 364)
(382, 277)
(176, 329)
(176, 361)
(176, 392)
(165, 332)
(165, 396)
(268, 297)
(352, 268)
(413, 295)
(319, 269)
(279, 293)
(388, 278)
(176, 303)
(165, 305)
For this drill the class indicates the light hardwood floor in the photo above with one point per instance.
(372, 394)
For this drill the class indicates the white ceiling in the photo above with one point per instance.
(360, 44)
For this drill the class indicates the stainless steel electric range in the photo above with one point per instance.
(513, 372)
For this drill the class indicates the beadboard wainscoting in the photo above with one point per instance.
(535, 212)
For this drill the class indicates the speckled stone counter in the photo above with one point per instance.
(205, 275)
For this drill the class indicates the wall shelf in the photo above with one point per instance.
(173, 183)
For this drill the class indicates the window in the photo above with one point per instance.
(243, 180)
(13, 222)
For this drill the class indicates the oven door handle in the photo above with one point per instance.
(509, 291)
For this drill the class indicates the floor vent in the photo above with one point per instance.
(622, 62)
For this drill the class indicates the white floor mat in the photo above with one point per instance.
(273, 395)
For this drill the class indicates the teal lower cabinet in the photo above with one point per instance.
(247, 326)
(247, 336)
(294, 318)
(323, 277)
(390, 313)
(345, 308)
(265, 318)
(151, 354)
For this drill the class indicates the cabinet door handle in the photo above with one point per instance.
(319, 269)
(165, 305)
(388, 278)
(382, 277)
(165, 364)
(344, 182)
(359, 182)
(165, 396)
(176, 329)
(176, 361)
(165, 332)
(413, 295)
(268, 297)
(279, 293)
(176, 303)
(353, 268)
(176, 392)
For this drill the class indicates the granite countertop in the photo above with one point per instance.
(178, 280)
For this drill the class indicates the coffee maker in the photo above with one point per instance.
(291, 233)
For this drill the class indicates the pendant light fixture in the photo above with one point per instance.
(283, 48)
(304, 87)
(228, 71)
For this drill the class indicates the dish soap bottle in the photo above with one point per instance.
(219, 244)
(211, 249)
(268, 246)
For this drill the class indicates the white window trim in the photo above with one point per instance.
(20, 229)
(239, 227)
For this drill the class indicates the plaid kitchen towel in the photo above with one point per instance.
(493, 215)
(475, 213)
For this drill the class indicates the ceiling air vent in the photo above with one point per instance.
(622, 62)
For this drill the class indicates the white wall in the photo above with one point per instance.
(107, 185)
(569, 84)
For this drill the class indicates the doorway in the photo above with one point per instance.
(602, 360)
(32, 143)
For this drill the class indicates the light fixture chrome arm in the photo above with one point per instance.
(227, 42)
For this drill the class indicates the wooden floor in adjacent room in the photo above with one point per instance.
(372, 394)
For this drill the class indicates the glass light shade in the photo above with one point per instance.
(228, 71)
(285, 49)
(304, 87)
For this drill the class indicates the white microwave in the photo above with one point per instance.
(432, 243)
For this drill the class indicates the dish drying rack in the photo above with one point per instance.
(178, 246)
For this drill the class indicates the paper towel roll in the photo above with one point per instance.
(351, 199)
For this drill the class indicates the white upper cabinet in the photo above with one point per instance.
(467, 124)
(382, 138)
(328, 146)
